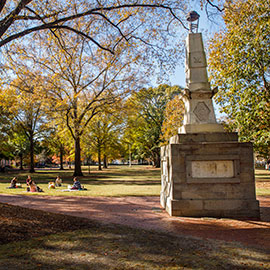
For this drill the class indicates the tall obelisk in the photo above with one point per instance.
(199, 111)
(205, 171)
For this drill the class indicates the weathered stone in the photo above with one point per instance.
(206, 171)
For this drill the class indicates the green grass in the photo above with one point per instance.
(263, 191)
(262, 182)
(115, 181)
(119, 247)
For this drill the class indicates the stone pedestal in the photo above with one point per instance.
(208, 174)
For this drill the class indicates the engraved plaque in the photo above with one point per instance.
(196, 59)
(212, 169)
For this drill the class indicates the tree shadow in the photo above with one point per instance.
(121, 247)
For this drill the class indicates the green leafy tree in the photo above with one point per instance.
(145, 120)
(103, 136)
(6, 122)
(239, 60)
(28, 111)
(19, 144)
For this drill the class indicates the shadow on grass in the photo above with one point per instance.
(120, 247)
(112, 176)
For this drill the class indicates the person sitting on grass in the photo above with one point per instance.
(58, 181)
(31, 185)
(28, 180)
(13, 183)
(76, 184)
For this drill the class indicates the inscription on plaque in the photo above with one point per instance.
(197, 60)
(212, 169)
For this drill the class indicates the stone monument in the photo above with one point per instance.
(205, 171)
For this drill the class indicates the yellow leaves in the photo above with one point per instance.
(174, 113)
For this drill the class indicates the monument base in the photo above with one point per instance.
(208, 174)
(211, 208)
(201, 128)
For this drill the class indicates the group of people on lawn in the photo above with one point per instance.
(31, 186)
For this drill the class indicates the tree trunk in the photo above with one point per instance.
(156, 159)
(32, 162)
(99, 159)
(105, 162)
(21, 161)
(61, 157)
(78, 167)
(129, 155)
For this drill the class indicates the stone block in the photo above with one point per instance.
(187, 204)
(246, 167)
(223, 204)
(194, 43)
(247, 177)
(163, 151)
(204, 137)
(178, 177)
(200, 128)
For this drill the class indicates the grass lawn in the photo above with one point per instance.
(262, 182)
(115, 181)
(40, 240)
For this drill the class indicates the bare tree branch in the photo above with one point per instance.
(57, 24)
(2, 4)
(110, 22)
(51, 26)
(11, 17)
(215, 6)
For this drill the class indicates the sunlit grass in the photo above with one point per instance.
(262, 182)
(262, 175)
(115, 181)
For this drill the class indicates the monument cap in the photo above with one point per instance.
(193, 19)
(192, 16)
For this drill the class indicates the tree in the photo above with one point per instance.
(6, 122)
(19, 144)
(103, 135)
(55, 144)
(82, 78)
(115, 35)
(81, 82)
(239, 61)
(27, 110)
(145, 120)
(173, 118)
(23, 17)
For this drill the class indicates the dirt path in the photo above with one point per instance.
(146, 213)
